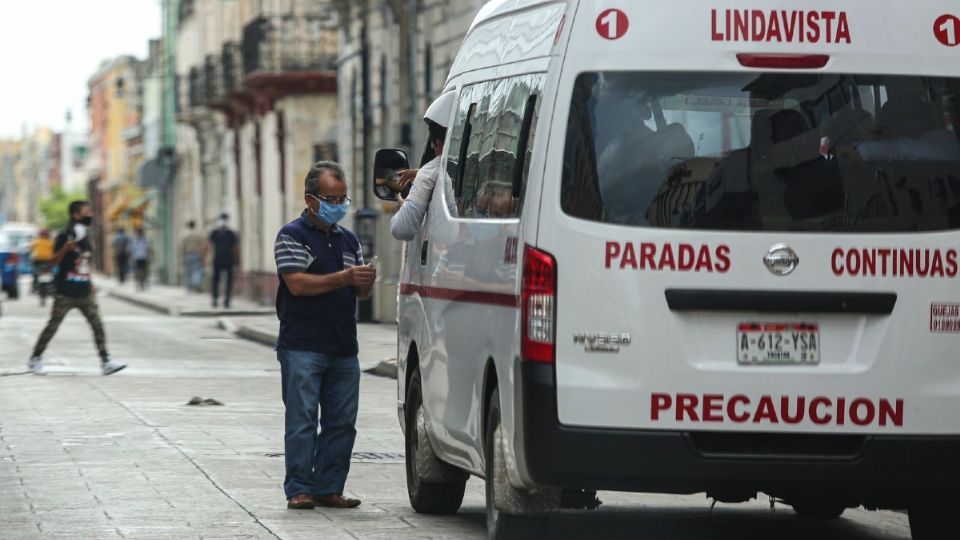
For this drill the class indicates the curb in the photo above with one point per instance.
(245, 332)
(174, 311)
(385, 368)
(144, 303)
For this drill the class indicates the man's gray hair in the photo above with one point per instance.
(311, 183)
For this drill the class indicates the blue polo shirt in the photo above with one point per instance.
(327, 323)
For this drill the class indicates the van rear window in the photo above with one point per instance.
(764, 152)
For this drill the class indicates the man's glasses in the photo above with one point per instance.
(343, 199)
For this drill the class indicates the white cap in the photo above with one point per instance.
(439, 111)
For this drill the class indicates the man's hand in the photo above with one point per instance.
(406, 176)
(361, 277)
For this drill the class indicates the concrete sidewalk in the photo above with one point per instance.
(176, 301)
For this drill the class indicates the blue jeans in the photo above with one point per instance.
(317, 464)
(194, 270)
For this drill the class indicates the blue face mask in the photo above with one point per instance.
(331, 213)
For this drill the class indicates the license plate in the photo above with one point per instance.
(45, 278)
(778, 343)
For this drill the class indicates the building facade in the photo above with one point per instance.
(257, 105)
(12, 203)
(115, 151)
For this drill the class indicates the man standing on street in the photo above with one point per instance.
(73, 255)
(226, 253)
(192, 248)
(121, 254)
(322, 275)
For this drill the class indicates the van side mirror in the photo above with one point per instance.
(385, 166)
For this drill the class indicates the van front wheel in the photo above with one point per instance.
(433, 486)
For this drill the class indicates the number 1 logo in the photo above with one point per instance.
(947, 30)
(612, 24)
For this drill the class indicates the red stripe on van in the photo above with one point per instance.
(460, 295)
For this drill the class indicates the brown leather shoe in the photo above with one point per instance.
(336, 500)
(301, 502)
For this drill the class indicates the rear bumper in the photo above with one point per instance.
(885, 471)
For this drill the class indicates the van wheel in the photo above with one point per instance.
(501, 525)
(813, 509)
(931, 521)
(433, 486)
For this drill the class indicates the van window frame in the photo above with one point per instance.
(535, 82)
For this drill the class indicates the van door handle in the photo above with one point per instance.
(423, 253)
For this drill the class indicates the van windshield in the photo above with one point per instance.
(764, 152)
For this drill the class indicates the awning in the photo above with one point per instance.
(140, 204)
(117, 207)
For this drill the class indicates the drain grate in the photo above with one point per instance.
(376, 457)
(362, 457)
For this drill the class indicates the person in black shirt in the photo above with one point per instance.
(74, 289)
(226, 247)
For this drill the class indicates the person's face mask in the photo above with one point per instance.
(331, 213)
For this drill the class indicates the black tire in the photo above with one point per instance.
(427, 497)
(814, 509)
(500, 525)
(14, 292)
(932, 521)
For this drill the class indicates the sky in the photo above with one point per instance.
(50, 48)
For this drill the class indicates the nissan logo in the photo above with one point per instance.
(781, 260)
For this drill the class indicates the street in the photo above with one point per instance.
(86, 456)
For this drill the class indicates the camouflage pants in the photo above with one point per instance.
(61, 306)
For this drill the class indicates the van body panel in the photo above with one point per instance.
(692, 355)
(638, 373)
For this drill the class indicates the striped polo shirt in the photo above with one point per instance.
(327, 323)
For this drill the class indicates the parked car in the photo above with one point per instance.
(9, 265)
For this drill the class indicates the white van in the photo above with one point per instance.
(696, 247)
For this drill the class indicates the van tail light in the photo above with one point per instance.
(539, 312)
(13, 259)
(783, 61)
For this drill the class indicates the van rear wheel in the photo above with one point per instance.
(433, 486)
(932, 520)
(819, 509)
(501, 525)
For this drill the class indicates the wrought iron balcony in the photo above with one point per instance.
(232, 66)
(179, 87)
(289, 43)
(197, 88)
(213, 78)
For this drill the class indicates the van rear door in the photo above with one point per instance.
(755, 249)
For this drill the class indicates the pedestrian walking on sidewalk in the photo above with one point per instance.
(226, 253)
(121, 254)
(322, 274)
(192, 248)
(142, 253)
(74, 288)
